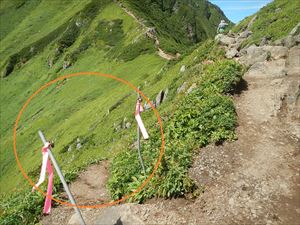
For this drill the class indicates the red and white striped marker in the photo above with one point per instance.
(46, 165)
(138, 110)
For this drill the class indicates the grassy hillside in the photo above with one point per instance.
(179, 24)
(273, 21)
(43, 40)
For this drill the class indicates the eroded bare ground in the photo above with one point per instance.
(88, 189)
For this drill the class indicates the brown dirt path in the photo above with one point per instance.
(88, 189)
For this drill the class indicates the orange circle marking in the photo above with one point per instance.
(90, 74)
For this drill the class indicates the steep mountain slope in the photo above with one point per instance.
(43, 40)
(179, 24)
(91, 118)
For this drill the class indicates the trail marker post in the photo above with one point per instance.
(139, 146)
(62, 179)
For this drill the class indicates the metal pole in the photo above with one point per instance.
(61, 176)
(139, 146)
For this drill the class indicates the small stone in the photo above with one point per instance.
(231, 53)
(182, 69)
(78, 145)
(127, 125)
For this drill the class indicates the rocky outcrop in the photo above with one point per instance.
(274, 68)
(225, 40)
(270, 69)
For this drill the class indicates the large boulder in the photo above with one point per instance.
(271, 69)
(253, 54)
(277, 52)
(224, 39)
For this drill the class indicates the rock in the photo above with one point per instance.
(297, 39)
(191, 88)
(289, 41)
(121, 214)
(272, 69)
(69, 148)
(293, 61)
(264, 41)
(224, 40)
(66, 64)
(160, 98)
(182, 69)
(245, 34)
(277, 52)
(231, 53)
(295, 29)
(182, 88)
(127, 125)
(78, 145)
(253, 55)
(50, 62)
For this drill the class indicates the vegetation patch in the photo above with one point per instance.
(273, 21)
(109, 31)
(204, 116)
(143, 46)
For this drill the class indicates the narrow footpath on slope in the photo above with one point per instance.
(254, 180)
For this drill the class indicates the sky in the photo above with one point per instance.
(236, 10)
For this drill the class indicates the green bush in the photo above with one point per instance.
(22, 207)
(204, 118)
(136, 49)
(222, 76)
(110, 32)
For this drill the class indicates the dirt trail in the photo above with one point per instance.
(254, 180)
(88, 189)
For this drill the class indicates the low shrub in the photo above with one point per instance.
(222, 76)
(136, 49)
(21, 207)
(110, 32)
(204, 117)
